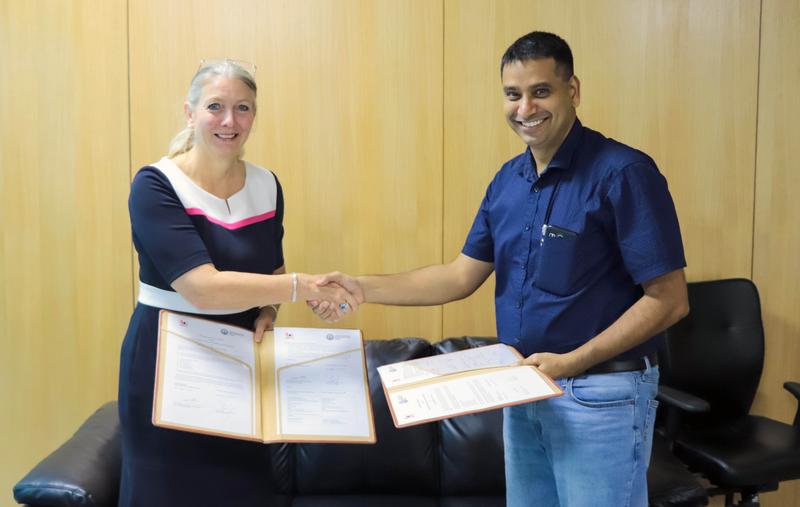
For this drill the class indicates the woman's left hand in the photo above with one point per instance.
(265, 322)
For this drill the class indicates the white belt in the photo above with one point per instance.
(171, 300)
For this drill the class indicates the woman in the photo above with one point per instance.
(208, 230)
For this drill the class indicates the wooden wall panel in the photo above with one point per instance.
(65, 261)
(777, 215)
(350, 119)
(656, 75)
(383, 120)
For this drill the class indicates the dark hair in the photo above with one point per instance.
(538, 45)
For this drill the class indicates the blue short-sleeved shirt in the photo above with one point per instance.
(614, 227)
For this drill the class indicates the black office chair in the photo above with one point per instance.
(669, 483)
(717, 354)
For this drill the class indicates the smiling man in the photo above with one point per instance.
(540, 101)
(583, 237)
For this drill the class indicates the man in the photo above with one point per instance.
(583, 237)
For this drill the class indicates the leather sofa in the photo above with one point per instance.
(452, 463)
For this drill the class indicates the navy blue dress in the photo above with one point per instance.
(178, 226)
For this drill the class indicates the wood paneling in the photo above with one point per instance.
(349, 118)
(675, 79)
(383, 121)
(777, 215)
(65, 259)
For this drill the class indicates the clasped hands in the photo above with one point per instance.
(342, 294)
(330, 296)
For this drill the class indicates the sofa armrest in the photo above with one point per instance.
(84, 471)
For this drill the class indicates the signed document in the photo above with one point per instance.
(297, 385)
(321, 383)
(463, 382)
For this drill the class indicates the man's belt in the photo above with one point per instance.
(618, 365)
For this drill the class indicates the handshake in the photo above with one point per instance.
(334, 295)
(330, 296)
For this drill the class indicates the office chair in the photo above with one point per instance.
(669, 483)
(717, 354)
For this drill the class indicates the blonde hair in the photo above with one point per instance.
(184, 140)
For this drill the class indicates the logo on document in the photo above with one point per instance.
(329, 336)
(223, 331)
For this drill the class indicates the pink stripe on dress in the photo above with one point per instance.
(233, 225)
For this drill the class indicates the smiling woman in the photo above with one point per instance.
(230, 71)
(208, 229)
(219, 121)
(225, 114)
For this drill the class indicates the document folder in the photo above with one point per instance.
(464, 382)
(297, 385)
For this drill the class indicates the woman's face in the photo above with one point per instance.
(223, 117)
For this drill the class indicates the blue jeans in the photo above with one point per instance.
(587, 448)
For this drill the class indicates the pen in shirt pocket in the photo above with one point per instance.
(553, 231)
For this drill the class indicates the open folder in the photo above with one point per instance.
(297, 385)
(464, 382)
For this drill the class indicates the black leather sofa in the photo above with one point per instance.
(453, 463)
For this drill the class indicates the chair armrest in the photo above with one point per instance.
(794, 388)
(682, 400)
(678, 401)
(84, 471)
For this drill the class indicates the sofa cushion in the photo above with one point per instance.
(403, 462)
(471, 445)
(473, 501)
(365, 501)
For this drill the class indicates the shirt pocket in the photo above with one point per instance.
(561, 262)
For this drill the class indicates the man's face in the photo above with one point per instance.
(539, 104)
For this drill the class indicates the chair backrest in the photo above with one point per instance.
(717, 351)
